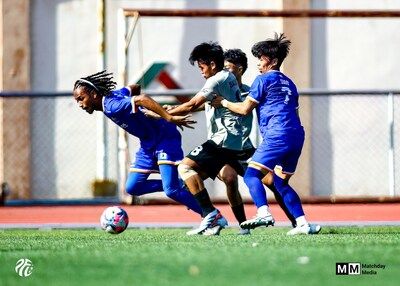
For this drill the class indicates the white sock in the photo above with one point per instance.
(301, 220)
(263, 211)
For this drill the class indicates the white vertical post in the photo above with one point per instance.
(101, 123)
(391, 145)
(122, 70)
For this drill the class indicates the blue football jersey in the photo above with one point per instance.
(118, 105)
(278, 103)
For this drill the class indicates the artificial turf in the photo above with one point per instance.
(169, 257)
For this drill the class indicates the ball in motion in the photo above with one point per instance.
(114, 220)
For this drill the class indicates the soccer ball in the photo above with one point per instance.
(114, 220)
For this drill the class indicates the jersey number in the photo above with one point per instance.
(196, 151)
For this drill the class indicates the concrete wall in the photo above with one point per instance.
(350, 137)
(64, 48)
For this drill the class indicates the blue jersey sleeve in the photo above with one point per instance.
(257, 89)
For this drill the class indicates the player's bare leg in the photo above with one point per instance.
(213, 221)
(230, 178)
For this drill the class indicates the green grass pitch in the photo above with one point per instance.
(169, 257)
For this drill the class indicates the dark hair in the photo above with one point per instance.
(237, 57)
(207, 53)
(277, 48)
(100, 82)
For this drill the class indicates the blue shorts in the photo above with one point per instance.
(279, 150)
(168, 151)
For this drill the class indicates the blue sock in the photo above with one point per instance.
(137, 184)
(253, 180)
(174, 189)
(290, 198)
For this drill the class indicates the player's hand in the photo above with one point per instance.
(216, 102)
(151, 114)
(183, 121)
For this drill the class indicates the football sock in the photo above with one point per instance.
(174, 189)
(239, 213)
(263, 211)
(204, 201)
(281, 203)
(137, 184)
(301, 220)
(252, 179)
(290, 198)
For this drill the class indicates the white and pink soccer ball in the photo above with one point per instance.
(114, 220)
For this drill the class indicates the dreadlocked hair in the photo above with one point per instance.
(101, 82)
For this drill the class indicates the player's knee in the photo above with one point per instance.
(228, 175)
(280, 184)
(268, 180)
(185, 171)
(229, 178)
(251, 182)
(251, 177)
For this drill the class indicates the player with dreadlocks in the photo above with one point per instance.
(160, 140)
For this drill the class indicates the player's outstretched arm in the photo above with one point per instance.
(168, 107)
(192, 105)
(154, 115)
(242, 108)
(151, 114)
(151, 104)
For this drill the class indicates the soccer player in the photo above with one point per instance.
(275, 98)
(235, 61)
(160, 142)
(224, 133)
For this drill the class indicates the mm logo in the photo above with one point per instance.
(348, 268)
